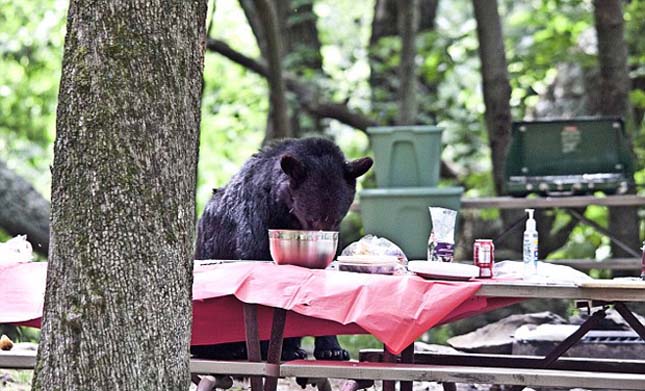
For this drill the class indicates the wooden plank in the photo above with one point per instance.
(620, 283)
(252, 341)
(388, 357)
(516, 361)
(241, 368)
(275, 346)
(463, 374)
(607, 264)
(550, 202)
(17, 359)
(407, 357)
(529, 290)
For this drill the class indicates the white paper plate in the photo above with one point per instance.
(367, 259)
(443, 270)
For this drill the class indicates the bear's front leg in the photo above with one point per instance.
(291, 350)
(327, 348)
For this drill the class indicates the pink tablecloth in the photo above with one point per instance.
(395, 309)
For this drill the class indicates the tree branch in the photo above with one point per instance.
(309, 96)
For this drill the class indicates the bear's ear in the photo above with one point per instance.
(293, 168)
(358, 167)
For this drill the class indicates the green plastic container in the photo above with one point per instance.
(568, 156)
(406, 156)
(402, 216)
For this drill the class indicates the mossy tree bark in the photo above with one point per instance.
(118, 301)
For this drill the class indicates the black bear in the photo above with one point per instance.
(303, 184)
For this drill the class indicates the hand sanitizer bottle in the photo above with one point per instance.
(530, 246)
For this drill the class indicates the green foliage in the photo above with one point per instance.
(353, 343)
(439, 335)
(584, 241)
(539, 36)
(233, 122)
(31, 42)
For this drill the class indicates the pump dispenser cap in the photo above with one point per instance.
(530, 222)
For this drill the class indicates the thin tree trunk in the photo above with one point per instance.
(384, 79)
(495, 85)
(384, 23)
(614, 101)
(24, 211)
(257, 27)
(117, 310)
(301, 54)
(612, 58)
(279, 110)
(297, 21)
(408, 21)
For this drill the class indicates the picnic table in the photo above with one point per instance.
(249, 301)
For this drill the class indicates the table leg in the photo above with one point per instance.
(407, 357)
(252, 341)
(388, 385)
(584, 328)
(630, 319)
(275, 345)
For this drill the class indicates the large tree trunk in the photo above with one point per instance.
(408, 21)
(117, 310)
(495, 85)
(24, 211)
(614, 101)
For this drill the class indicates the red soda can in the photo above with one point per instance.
(484, 257)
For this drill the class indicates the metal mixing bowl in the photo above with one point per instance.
(312, 249)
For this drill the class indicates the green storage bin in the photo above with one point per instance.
(402, 216)
(406, 156)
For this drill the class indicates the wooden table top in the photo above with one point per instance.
(550, 202)
(601, 290)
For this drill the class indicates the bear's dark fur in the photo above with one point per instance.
(294, 184)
